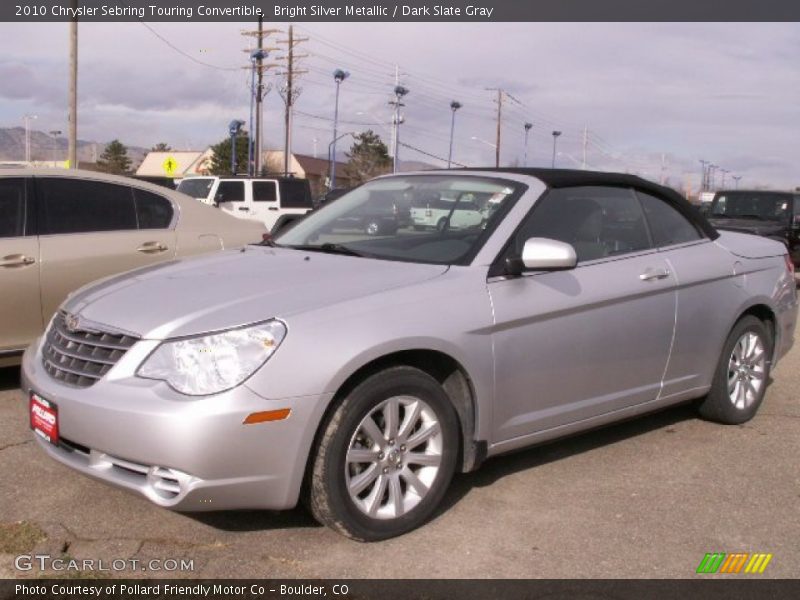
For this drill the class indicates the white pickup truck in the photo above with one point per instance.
(275, 201)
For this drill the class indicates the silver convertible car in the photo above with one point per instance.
(360, 372)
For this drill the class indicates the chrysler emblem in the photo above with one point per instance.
(72, 323)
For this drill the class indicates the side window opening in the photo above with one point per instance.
(12, 208)
(230, 191)
(264, 191)
(599, 222)
(152, 211)
(667, 226)
(81, 206)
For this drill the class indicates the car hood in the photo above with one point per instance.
(755, 226)
(234, 288)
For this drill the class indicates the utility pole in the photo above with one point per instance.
(500, 94)
(290, 92)
(399, 92)
(499, 127)
(555, 137)
(585, 145)
(704, 175)
(72, 147)
(55, 133)
(663, 168)
(259, 90)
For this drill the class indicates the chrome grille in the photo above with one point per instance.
(82, 356)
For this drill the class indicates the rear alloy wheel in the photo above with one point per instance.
(741, 379)
(386, 456)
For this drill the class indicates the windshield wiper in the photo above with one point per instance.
(327, 249)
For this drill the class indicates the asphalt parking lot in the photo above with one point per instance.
(647, 498)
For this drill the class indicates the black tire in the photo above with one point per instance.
(328, 497)
(718, 405)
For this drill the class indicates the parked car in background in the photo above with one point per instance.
(362, 371)
(275, 201)
(62, 229)
(449, 211)
(775, 215)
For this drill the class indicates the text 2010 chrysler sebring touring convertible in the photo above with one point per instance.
(359, 372)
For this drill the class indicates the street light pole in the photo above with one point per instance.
(736, 178)
(724, 173)
(527, 127)
(55, 133)
(454, 106)
(233, 128)
(555, 137)
(399, 92)
(338, 76)
(28, 119)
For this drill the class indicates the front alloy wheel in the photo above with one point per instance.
(394, 457)
(385, 456)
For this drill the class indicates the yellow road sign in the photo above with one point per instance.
(170, 166)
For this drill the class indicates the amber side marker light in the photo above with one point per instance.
(267, 415)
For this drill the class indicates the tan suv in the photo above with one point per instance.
(62, 229)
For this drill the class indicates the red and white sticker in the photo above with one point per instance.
(44, 418)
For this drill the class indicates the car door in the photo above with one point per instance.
(230, 197)
(20, 304)
(708, 297)
(572, 345)
(265, 202)
(89, 229)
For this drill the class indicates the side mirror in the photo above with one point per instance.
(543, 254)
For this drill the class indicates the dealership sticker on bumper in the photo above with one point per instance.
(44, 418)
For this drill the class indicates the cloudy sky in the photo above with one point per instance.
(729, 93)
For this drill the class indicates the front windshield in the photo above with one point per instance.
(440, 219)
(768, 206)
(196, 187)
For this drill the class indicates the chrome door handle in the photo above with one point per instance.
(16, 260)
(653, 274)
(151, 248)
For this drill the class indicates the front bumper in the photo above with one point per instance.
(183, 453)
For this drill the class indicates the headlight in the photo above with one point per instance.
(210, 364)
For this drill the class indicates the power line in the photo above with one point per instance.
(186, 54)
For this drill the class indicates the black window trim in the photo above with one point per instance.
(28, 215)
(703, 237)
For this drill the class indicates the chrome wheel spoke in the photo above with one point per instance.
(409, 421)
(364, 479)
(423, 435)
(362, 455)
(396, 495)
(376, 496)
(759, 375)
(414, 482)
(427, 460)
(391, 416)
(371, 429)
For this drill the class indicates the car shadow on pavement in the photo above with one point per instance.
(9, 378)
(501, 466)
(256, 520)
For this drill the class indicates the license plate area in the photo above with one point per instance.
(44, 418)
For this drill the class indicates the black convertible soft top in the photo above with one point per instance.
(559, 178)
